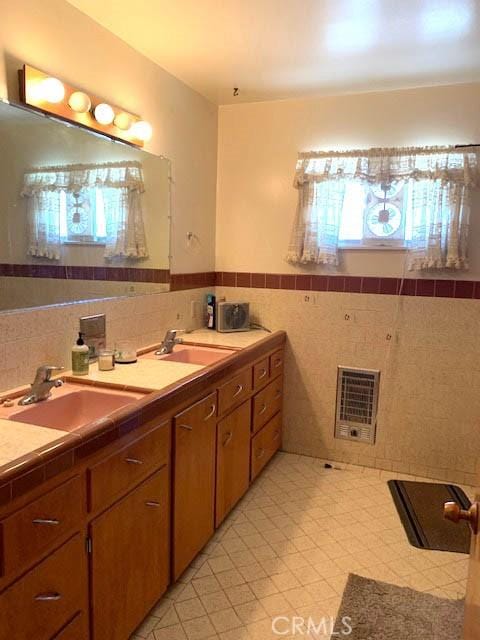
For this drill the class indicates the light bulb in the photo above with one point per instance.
(79, 102)
(104, 114)
(142, 130)
(52, 90)
(123, 121)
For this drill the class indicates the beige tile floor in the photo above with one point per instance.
(287, 550)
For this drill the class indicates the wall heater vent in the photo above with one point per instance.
(357, 401)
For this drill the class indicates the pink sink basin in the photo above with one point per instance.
(193, 355)
(73, 410)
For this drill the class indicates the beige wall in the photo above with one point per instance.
(56, 37)
(258, 146)
(429, 407)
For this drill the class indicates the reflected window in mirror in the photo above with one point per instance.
(87, 204)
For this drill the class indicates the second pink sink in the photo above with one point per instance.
(73, 409)
(191, 354)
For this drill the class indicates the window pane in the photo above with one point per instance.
(63, 215)
(351, 226)
(100, 224)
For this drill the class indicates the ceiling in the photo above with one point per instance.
(275, 49)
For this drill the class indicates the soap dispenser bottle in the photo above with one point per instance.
(80, 357)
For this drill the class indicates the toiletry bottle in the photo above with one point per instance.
(80, 357)
(211, 311)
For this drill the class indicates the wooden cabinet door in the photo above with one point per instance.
(130, 558)
(233, 460)
(194, 483)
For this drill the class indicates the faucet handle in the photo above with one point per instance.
(46, 370)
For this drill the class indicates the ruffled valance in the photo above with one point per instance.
(75, 177)
(448, 164)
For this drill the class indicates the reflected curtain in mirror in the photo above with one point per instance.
(88, 203)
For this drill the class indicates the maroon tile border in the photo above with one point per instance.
(438, 288)
(113, 274)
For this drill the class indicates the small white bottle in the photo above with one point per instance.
(80, 357)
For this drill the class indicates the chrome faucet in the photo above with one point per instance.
(169, 341)
(41, 385)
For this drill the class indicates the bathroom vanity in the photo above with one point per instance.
(95, 525)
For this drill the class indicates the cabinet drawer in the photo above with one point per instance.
(276, 363)
(119, 473)
(266, 403)
(45, 599)
(261, 374)
(265, 443)
(32, 530)
(75, 630)
(234, 391)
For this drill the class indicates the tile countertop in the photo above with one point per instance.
(18, 439)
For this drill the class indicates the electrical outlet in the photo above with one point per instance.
(308, 298)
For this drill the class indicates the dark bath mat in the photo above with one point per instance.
(420, 507)
(380, 611)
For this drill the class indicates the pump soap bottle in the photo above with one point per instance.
(80, 357)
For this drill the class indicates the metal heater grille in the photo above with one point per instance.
(357, 401)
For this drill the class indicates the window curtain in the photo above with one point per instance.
(440, 182)
(122, 185)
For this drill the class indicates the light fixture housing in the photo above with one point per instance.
(142, 130)
(52, 90)
(79, 102)
(41, 91)
(104, 114)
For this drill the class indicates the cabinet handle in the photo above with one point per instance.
(186, 426)
(260, 453)
(263, 409)
(229, 435)
(50, 521)
(48, 597)
(152, 503)
(239, 390)
(278, 362)
(263, 374)
(133, 461)
(278, 394)
(213, 408)
(276, 434)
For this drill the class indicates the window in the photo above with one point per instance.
(415, 197)
(82, 216)
(376, 215)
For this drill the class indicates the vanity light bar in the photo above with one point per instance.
(52, 96)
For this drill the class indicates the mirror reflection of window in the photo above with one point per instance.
(86, 204)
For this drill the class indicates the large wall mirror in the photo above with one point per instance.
(81, 216)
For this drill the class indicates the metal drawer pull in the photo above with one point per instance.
(152, 503)
(260, 453)
(186, 426)
(276, 434)
(239, 390)
(263, 374)
(48, 597)
(278, 395)
(133, 461)
(51, 521)
(229, 435)
(213, 408)
(263, 409)
(278, 362)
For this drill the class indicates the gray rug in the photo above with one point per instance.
(380, 611)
